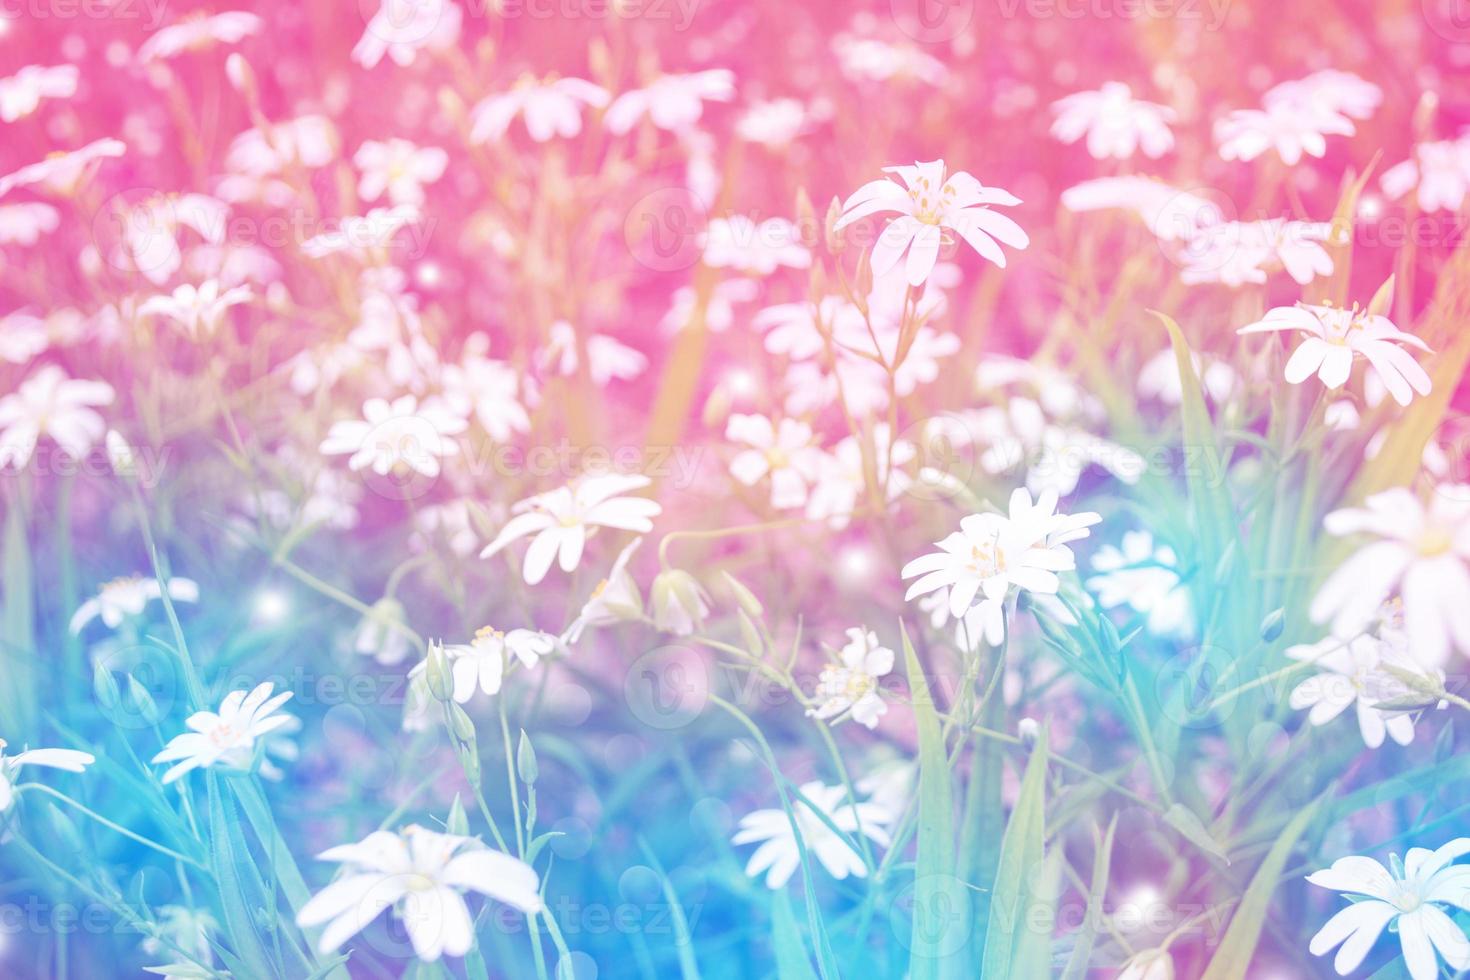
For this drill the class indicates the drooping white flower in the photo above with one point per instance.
(550, 107)
(680, 604)
(51, 404)
(671, 102)
(67, 760)
(1019, 436)
(401, 29)
(124, 598)
(198, 310)
(778, 855)
(1334, 336)
(480, 664)
(719, 312)
(308, 141)
(226, 737)
(21, 93)
(852, 682)
(1351, 672)
(928, 205)
(1145, 577)
(1438, 173)
(783, 452)
(990, 555)
(198, 33)
(563, 519)
(422, 875)
(398, 168)
(871, 59)
(615, 599)
(1411, 897)
(1327, 93)
(1114, 122)
(1422, 554)
(398, 436)
(380, 634)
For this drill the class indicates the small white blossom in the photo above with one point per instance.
(1114, 122)
(226, 737)
(778, 855)
(67, 760)
(852, 684)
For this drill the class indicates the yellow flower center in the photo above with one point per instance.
(419, 883)
(930, 204)
(1435, 541)
(488, 633)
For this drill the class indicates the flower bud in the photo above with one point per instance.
(834, 240)
(457, 823)
(436, 672)
(680, 604)
(104, 686)
(460, 724)
(1272, 625)
(141, 702)
(744, 598)
(526, 760)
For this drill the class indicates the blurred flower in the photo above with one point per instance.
(481, 662)
(67, 760)
(615, 599)
(398, 436)
(852, 683)
(398, 167)
(199, 310)
(671, 102)
(719, 313)
(778, 855)
(185, 927)
(563, 519)
(1327, 93)
(1053, 456)
(1114, 122)
(773, 123)
(197, 33)
(1173, 215)
(679, 602)
(1238, 252)
(1334, 336)
(124, 598)
(990, 554)
(373, 230)
(552, 107)
(1144, 577)
(840, 479)
(378, 634)
(1408, 898)
(490, 390)
(308, 141)
(62, 173)
(1423, 554)
(873, 60)
(607, 358)
(928, 205)
(1284, 126)
(401, 29)
(1438, 173)
(422, 875)
(24, 224)
(51, 404)
(226, 737)
(1159, 378)
(21, 93)
(783, 453)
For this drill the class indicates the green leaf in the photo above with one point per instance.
(1183, 819)
(1233, 956)
(941, 901)
(1022, 851)
(1080, 961)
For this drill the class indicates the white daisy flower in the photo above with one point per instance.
(1422, 554)
(198, 33)
(1351, 672)
(226, 737)
(853, 682)
(990, 554)
(1410, 898)
(21, 93)
(671, 102)
(783, 452)
(841, 481)
(929, 205)
(1114, 122)
(1145, 577)
(124, 598)
(1284, 126)
(481, 663)
(67, 760)
(63, 174)
(778, 855)
(422, 875)
(199, 310)
(1438, 173)
(51, 404)
(398, 436)
(563, 519)
(400, 29)
(550, 107)
(1333, 337)
(398, 168)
